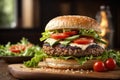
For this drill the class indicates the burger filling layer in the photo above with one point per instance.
(75, 43)
(65, 37)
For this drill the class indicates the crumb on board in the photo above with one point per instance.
(44, 69)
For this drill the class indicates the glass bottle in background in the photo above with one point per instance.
(8, 13)
(104, 18)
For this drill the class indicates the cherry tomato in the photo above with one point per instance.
(59, 36)
(110, 64)
(99, 66)
(17, 48)
(83, 40)
(70, 33)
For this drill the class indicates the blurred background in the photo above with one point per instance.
(27, 18)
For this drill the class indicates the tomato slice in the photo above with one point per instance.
(17, 48)
(84, 40)
(70, 33)
(59, 36)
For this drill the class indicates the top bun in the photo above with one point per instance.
(73, 22)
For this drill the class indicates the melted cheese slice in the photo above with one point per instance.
(82, 46)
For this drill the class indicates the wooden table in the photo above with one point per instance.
(4, 74)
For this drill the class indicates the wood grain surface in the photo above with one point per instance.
(4, 74)
(22, 72)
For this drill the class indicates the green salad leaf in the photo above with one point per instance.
(45, 35)
(39, 55)
(29, 50)
(24, 41)
(4, 50)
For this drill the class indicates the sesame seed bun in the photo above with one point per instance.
(72, 22)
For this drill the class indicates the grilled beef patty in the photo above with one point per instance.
(59, 50)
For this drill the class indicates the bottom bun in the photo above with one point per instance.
(66, 64)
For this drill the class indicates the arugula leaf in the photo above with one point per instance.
(110, 54)
(113, 54)
(93, 34)
(45, 35)
(89, 32)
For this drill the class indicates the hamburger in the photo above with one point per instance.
(70, 42)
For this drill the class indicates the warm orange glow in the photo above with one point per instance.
(103, 24)
(105, 20)
(104, 27)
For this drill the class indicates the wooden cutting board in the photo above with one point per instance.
(21, 72)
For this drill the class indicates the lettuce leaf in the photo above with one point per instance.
(93, 34)
(45, 35)
(39, 55)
